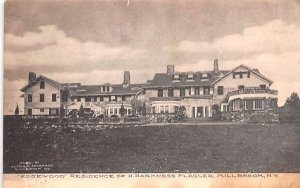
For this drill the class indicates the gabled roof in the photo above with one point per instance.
(166, 80)
(46, 79)
(255, 71)
(117, 89)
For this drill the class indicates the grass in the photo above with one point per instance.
(171, 148)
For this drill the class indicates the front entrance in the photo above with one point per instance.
(198, 112)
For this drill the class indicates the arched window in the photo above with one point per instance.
(42, 85)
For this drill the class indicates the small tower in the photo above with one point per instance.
(216, 66)
(31, 77)
(170, 69)
(126, 80)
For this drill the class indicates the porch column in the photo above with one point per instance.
(196, 111)
(204, 112)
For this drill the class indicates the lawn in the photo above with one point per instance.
(170, 148)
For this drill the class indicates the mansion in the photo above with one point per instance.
(241, 88)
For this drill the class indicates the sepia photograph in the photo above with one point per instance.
(201, 89)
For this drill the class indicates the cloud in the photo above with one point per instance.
(55, 49)
(48, 34)
(275, 36)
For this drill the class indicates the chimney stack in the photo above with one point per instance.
(170, 69)
(216, 66)
(31, 77)
(126, 80)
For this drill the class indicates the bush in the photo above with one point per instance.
(180, 114)
(216, 113)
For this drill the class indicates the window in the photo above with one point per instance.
(101, 99)
(29, 112)
(224, 108)
(42, 110)
(182, 92)
(78, 99)
(190, 76)
(160, 93)
(176, 77)
(53, 97)
(241, 87)
(88, 99)
(103, 88)
(162, 109)
(42, 97)
(109, 98)
(166, 109)
(197, 90)
(153, 109)
(29, 97)
(123, 98)
(220, 90)
(115, 110)
(170, 92)
(111, 111)
(204, 76)
(53, 111)
(258, 104)
(262, 86)
(248, 74)
(114, 98)
(206, 90)
(42, 85)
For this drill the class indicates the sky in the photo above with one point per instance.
(94, 42)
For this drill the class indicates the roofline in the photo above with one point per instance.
(258, 74)
(104, 94)
(150, 87)
(45, 78)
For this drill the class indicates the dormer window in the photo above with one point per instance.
(190, 76)
(176, 77)
(105, 88)
(42, 85)
(204, 76)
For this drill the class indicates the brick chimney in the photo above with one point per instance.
(126, 80)
(216, 66)
(170, 69)
(31, 77)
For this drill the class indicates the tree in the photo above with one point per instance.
(144, 109)
(81, 111)
(293, 100)
(65, 96)
(216, 113)
(122, 110)
(17, 110)
(290, 112)
(180, 113)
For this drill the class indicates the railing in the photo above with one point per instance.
(181, 97)
(252, 90)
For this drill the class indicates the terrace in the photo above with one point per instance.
(252, 92)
